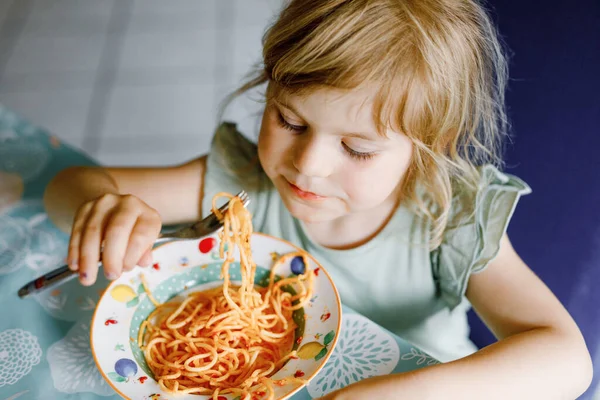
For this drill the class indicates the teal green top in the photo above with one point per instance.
(394, 279)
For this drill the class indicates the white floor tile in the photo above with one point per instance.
(46, 81)
(166, 149)
(138, 159)
(66, 25)
(50, 8)
(246, 111)
(63, 113)
(168, 49)
(4, 7)
(255, 12)
(160, 110)
(247, 49)
(158, 16)
(40, 54)
(157, 76)
(68, 18)
(173, 6)
(163, 108)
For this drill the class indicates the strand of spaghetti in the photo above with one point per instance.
(164, 363)
(198, 357)
(238, 392)
(219, 317)
(271, 335)
(269, 387)
(187, 319)
(284, 359)
(141, 332)
(171, 376)
(281, 260)
(147, 290)
(231, 303)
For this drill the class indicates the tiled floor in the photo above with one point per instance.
(129, 81)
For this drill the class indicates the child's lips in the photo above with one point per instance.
(304, 194)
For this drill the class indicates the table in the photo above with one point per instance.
(44, 339)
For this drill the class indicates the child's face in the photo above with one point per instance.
(325, 157)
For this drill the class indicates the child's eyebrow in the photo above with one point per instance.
(358, 135)
(289, 107)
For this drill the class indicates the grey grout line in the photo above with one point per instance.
(106, 74)
(12, 26)
(223, 62)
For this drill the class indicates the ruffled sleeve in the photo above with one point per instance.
(472, 239)
(233, 165)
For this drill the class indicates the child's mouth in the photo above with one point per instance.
(305, 195)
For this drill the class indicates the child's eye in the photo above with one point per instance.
(357, 155)
(288, 126)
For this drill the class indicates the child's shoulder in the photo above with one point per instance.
(228, 141)
(234, 154)
(477, 221)
(495, 195)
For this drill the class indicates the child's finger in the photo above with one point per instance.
(142, 237)
(75, 239)
(146, 259)
(89, 249)
(116, 237)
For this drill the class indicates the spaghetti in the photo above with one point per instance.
(231, 339)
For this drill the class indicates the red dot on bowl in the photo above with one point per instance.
(207, 244)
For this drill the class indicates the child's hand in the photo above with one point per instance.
(123, 225)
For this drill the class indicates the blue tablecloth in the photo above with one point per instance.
(44, 339)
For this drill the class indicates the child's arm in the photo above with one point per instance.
(173, 191)
(123, 208)
(541, 353)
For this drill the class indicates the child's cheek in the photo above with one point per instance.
(268, 153)
(369, 186)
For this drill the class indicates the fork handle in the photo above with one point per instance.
(52, 278)
(64, 274)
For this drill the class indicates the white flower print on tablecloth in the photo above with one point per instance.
(19, 353)
(27, 241)
(72, 364)
(23, 157)
(363, 350)
(72, 301)
(69, 302)
(18, 152)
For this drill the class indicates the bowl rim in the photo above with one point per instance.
(291, 393)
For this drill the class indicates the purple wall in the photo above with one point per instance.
(554, 106)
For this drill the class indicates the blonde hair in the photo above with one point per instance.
(439, 71)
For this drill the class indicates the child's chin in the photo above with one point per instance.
(310, 215)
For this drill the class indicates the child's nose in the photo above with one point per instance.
(313, 158)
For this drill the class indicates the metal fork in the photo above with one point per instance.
(204, 227)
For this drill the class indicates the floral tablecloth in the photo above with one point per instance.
(44, 339)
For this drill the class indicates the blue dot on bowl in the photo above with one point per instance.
(126, 367)
(297, 265)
